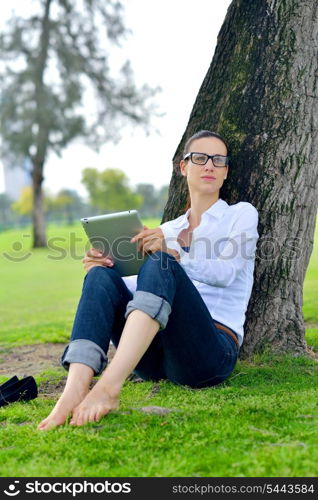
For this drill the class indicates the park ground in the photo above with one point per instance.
(262, 421)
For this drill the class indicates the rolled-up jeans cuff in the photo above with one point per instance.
(87, 352)
(157, 307)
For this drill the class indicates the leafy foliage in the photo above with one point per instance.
(57, 62)
(23, 206)
(57, 85)
(153, 200)
(109, 190)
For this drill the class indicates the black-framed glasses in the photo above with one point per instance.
(203, 158)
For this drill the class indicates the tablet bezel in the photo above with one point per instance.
(113, 239)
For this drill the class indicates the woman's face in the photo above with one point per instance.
(205, 178)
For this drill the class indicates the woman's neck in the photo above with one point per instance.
(199, 205)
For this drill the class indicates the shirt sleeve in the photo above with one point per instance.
(239, 248)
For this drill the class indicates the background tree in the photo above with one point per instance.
(23, 206)
(109, 190)
(154, 199)
(5, 205)
(150, 199)
(67, 204)
(51, 58)
(162, 197)
(261, 93)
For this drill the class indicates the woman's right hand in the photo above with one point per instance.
(95, 258)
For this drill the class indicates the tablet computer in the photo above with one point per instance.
(111, 234)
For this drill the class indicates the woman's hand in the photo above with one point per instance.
(150, 240)
(153, 240)
(95, 258)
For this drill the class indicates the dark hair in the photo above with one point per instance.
(194, 137)
(200, 135)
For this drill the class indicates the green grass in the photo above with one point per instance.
(310, 296)
(262, 421)
(42, 286)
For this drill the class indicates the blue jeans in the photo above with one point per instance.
(188, 348)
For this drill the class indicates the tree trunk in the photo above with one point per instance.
(69, 215)
(39, 238)
(260, 93)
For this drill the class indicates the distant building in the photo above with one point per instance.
(17, 175)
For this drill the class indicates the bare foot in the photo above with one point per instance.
(63, 408)
(98, 402)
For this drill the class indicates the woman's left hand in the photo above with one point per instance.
(150, 240)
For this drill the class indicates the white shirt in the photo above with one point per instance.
(221, 259)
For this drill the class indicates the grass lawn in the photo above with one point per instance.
(262, 421)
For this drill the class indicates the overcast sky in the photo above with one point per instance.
(171, 45)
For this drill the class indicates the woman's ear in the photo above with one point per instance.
(183, 170)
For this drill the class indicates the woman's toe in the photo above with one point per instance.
(79, 419)
(91, 416)
(74, 416)
(85, 417)
(47, 424)
(99, 415)
(41, 425)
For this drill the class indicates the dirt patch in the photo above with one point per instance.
(33, 359)
(311, 325)
(52, 387)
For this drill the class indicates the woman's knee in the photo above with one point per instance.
(161, 260)
(99, 275)
(104, 280)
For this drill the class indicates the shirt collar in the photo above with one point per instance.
(216, 210)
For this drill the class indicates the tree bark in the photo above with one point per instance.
(38, 219)
(260, 93)
(42, 136)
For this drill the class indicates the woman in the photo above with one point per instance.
(183, 319)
